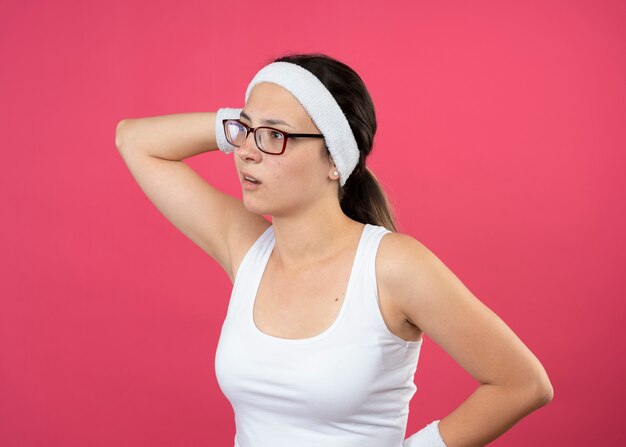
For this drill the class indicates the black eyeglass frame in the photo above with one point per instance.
(286, 135)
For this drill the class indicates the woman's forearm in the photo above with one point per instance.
(170, 137)
(490, 411)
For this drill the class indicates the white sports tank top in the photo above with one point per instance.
(349, 386)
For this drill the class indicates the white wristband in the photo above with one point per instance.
(428, 436)
(220, 137)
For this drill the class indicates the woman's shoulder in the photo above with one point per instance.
(245, 236)
(400, 257)
(395, 245)
(406, 270)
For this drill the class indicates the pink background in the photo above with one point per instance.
(501, 144)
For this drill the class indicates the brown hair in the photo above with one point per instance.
(362, 197)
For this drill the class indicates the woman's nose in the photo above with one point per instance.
(248, 150)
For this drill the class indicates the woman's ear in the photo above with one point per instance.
(333, 172)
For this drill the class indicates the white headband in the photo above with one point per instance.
(321, 107)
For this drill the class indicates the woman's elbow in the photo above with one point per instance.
(547, 394)
(120, 133)
(541, 391)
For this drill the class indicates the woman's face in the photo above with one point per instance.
(297, 178)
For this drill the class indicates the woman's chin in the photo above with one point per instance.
(254, 208)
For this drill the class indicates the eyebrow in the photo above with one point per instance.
(266, 121)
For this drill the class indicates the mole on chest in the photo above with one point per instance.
(296, 315)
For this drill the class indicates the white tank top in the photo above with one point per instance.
(349, 386)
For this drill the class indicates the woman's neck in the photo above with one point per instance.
(306, 239)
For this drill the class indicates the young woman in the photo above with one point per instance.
(329, 304)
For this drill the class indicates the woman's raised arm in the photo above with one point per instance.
(154, 148)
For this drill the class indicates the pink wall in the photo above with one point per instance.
(501, 142)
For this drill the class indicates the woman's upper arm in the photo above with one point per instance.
(436, 301)
(217, 222)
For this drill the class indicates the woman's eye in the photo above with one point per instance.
(276, 135)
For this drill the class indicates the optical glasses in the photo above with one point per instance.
(268, 140)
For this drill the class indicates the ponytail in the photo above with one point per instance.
(362, 198)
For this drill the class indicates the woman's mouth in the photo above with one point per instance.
(250, 183)
(251, 179)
